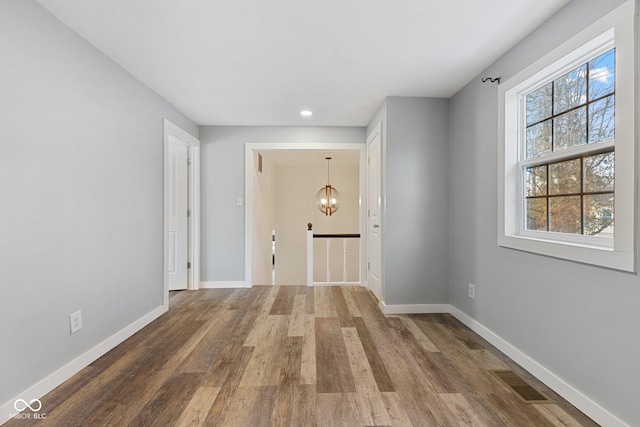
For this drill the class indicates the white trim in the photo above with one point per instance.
(223, 284)
(585, 404)
(377, 130)
(413, 308)
(335, 284)
(193, 145)
(567, 391)
(44, 386)
(250, 147)
(598, 37)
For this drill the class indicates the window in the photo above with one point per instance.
(568, 148)
(577, 110)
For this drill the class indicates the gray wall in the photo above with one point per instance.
(222, 156)
(81, 174)
(415, 188)
(580, 322)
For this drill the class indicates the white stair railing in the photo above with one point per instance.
(328, 237)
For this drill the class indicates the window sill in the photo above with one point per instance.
(578, 252)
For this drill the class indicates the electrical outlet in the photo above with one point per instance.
(472, 291)
(76, 321)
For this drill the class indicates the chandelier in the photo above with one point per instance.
(327, 197)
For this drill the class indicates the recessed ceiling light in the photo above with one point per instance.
(306, 113)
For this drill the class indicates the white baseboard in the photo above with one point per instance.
(568, 392)
(223, 285)
(47, 384)
(413, 308)
(337, 284)
(557, 384)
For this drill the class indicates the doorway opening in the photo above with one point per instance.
(285, 209)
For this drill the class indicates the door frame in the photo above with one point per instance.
(193, 177)
(381, 214)
(250, 148)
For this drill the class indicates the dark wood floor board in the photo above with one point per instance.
(291, 362)
(370, 403)
(60, 394)
(242, 299)
(295, 403)
(373, 357)
(514, 413)
(424, 341)
(84, 401)
(227, 375)
(295, 406)
(351, 303)
(436, 329)
(296, 326)
(250, 407)
(310, 303)
(368, 308)
(308, 362)
(456, 405)
(283, 304)
(265, 365)
(230, 365)
(416, 387)
(338, 409)
(341, 307)
(104, 416)
(458, 355)
(436, 326)
(198, 407)
(402, 365)
(440, 378)
(416, 406)
(558, 417)
(298, 356)
(173, 335)
(216, 335)
(169, 402)
(247, 314)
(149, 334)
(395, 409)
(333, 373)
(259, 325)
(483, 410)
(463, 334)
(148, 383)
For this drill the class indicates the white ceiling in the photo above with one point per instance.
(259, 62)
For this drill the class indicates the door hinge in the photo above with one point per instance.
(369, 266)
(188, 265)
(369, 160)
(188, 213)
(188, 162)
(369, 213)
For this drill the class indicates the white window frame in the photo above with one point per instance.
(614, 30)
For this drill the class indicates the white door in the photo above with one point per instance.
(374, 254)
(178, 220)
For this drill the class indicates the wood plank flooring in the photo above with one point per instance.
(298, 356)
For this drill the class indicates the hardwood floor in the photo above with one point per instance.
(298, 356)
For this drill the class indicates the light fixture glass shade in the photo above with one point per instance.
(327, 200)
